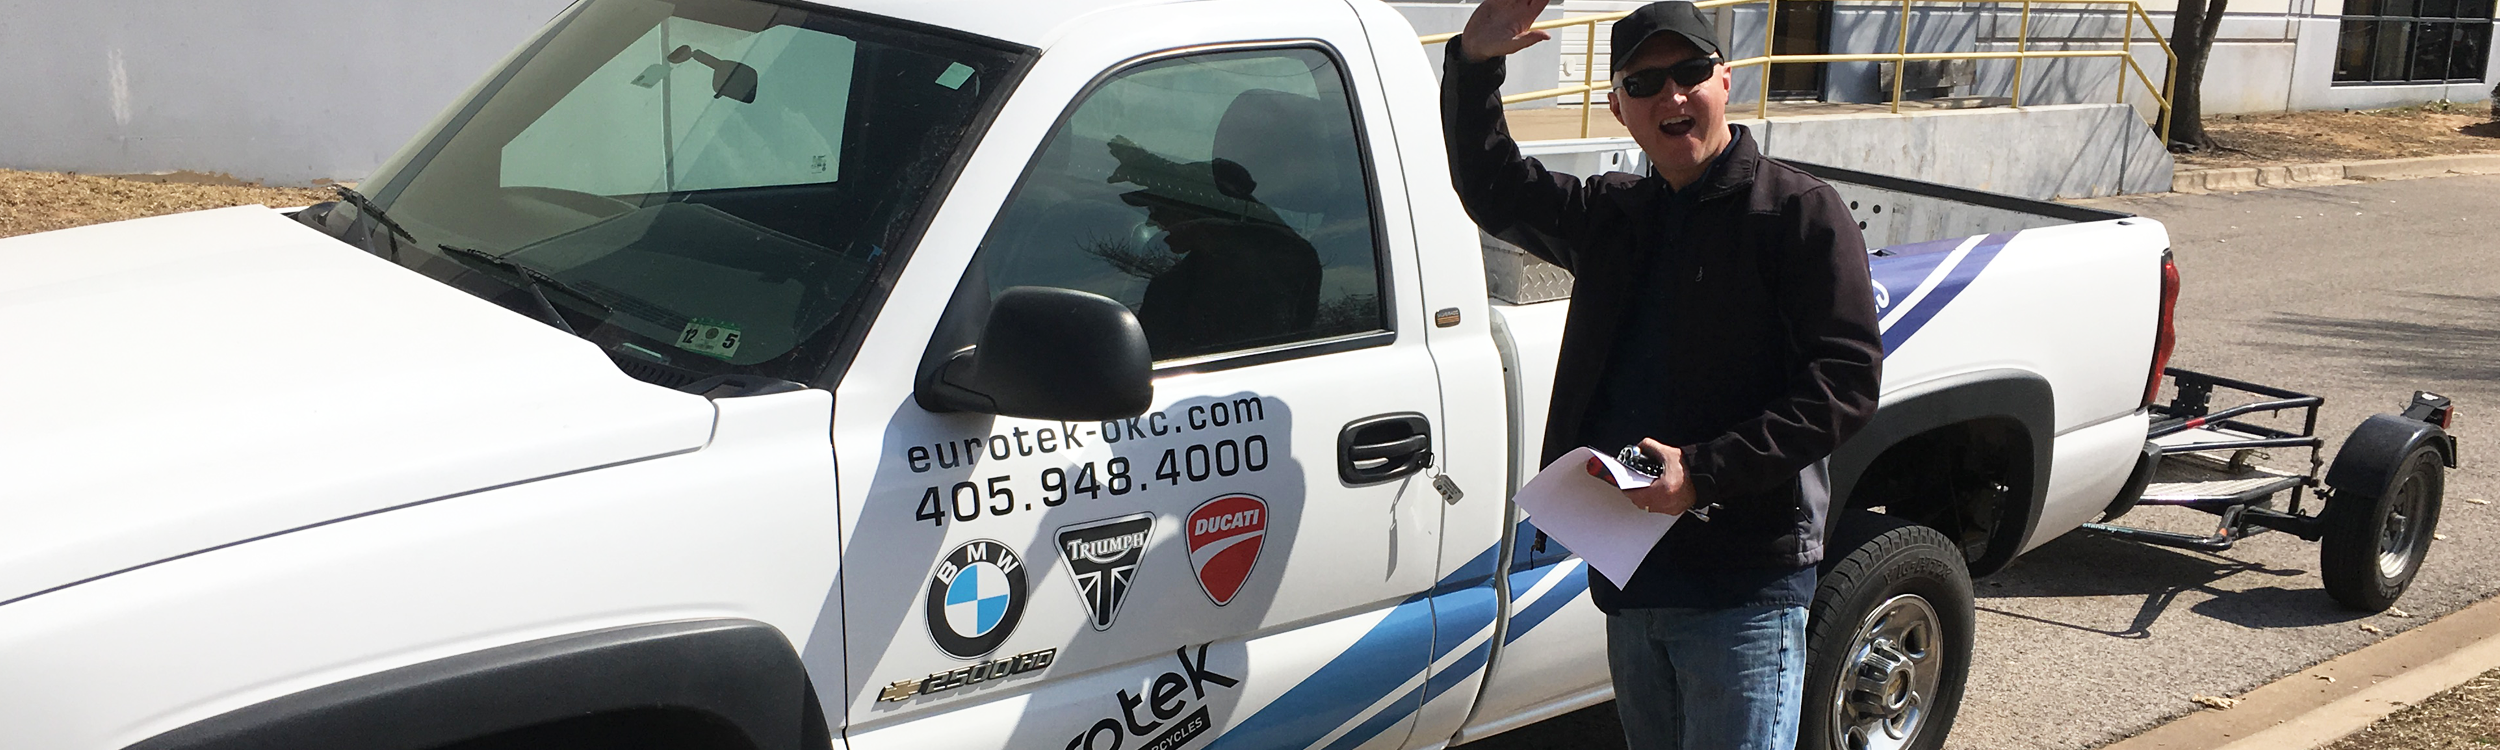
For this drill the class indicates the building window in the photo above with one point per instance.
(2413, 41)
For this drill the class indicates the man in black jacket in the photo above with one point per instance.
(1721, 319)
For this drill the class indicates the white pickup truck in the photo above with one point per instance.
(1081, 374)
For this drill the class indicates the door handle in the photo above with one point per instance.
(1380, 448)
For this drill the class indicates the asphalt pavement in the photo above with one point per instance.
(2361, 293)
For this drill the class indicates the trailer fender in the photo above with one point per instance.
(2370, 457)
(740, 673)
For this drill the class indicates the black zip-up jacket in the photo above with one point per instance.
(1775, 355)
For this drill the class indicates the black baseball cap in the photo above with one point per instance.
(1671, 17)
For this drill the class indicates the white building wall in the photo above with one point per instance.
(292, 91)
(285, 91)
(1532, 69)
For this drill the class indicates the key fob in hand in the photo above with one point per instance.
(1632, 458)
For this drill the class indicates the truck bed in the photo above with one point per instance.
(1967, 282)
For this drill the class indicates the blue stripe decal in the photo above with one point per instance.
(1379, 662)
(1459, 611)
(1571, 588)
(1905, 268)
(1373, 726)
(1464, 670)
(1459, 617)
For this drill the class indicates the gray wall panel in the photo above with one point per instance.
(284, 91)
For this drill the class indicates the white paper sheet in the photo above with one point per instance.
(1592, 517)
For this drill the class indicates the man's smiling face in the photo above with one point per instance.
(1681, 128)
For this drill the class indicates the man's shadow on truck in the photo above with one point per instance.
(896, 540)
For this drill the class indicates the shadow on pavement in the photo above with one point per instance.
(2088, 565)
(2456, 350)
(2277, 607)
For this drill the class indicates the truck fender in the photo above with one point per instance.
(741, 673)
(2374, 452)
(2022, 397)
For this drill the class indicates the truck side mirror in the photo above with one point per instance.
(1048, 353)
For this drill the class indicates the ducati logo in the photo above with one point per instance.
(975, 598)
(1224, 539)
(1102, 559)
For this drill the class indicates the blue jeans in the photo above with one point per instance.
(1722, 679)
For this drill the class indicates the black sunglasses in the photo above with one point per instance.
(1648, 82)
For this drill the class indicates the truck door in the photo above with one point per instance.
(1245, 564)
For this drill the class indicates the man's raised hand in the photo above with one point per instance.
(1500, 27)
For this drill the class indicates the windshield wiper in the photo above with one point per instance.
(534, 281)
(365, 206)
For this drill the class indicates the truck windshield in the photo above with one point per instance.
(700, 187)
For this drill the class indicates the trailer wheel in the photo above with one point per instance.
(2374, 544)
(1888, 641)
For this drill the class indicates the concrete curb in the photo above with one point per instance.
(2233, 179)
(2322, 704)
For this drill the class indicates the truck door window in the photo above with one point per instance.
(1221, 196)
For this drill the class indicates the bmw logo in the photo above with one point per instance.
(975, 598)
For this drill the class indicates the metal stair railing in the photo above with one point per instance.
(1589, 84)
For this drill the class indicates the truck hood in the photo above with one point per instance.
(184, 382)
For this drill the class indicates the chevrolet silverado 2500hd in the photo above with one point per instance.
(1064, 374)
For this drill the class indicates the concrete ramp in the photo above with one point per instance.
(2042, 152)
(2048, 152)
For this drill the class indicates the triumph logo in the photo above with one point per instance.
(975, 598)
(1224, 539)
(1102, 559)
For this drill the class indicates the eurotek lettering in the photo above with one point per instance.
(1017, 442)
(1167, 702)
(1024, 663)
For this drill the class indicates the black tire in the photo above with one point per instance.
(2375, 542)
(1888, 641)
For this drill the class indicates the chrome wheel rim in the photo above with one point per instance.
(2401, 532)
(1893, 668)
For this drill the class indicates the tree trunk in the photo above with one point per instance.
(2192, 39)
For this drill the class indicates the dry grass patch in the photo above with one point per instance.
(2467, 717)
(2323, 136)
(43, 201)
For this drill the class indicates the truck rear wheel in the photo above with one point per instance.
(1888, 641)
(2375, 544)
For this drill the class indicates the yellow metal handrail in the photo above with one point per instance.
(1589, 84)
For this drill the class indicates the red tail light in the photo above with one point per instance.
(2165, 335)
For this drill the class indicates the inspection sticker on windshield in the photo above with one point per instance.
(709, 337)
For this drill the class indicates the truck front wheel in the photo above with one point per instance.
(1888, 641)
